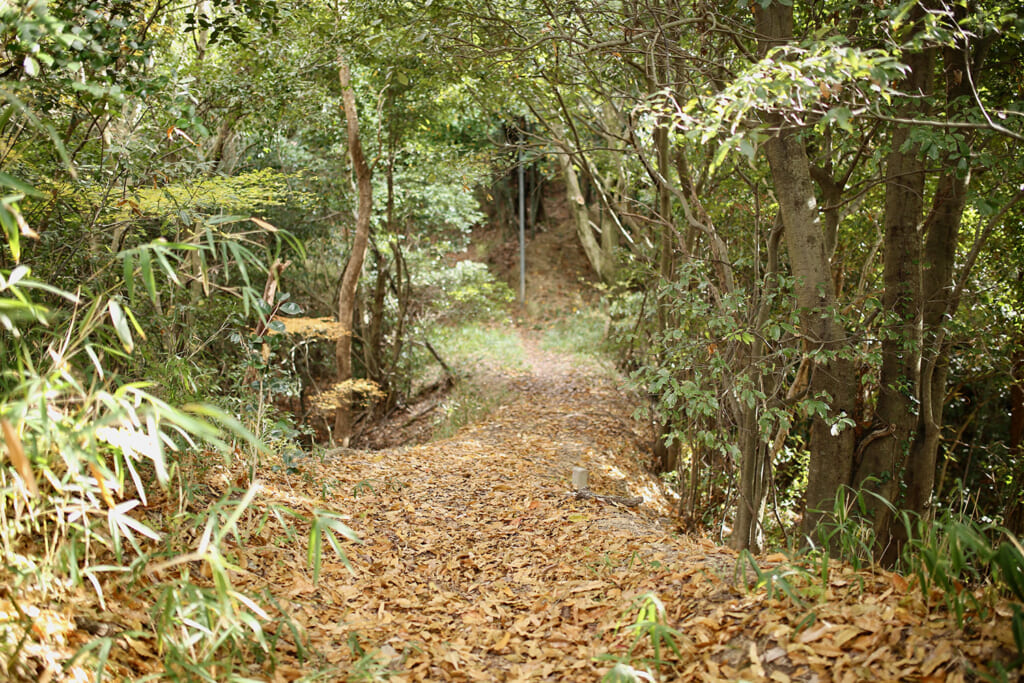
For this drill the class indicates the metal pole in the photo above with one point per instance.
(522, 225)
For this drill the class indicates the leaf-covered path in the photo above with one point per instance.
(480, 564)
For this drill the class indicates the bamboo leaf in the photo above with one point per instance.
(16, 454)
(120, 322)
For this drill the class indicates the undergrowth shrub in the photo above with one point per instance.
(86, 451)
(466, 291)
(412, 294)
(969, 569)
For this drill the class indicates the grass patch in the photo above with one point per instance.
(472, 345)
(479, 355)
(581, 333)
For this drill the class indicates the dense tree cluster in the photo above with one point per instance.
(811, 192)
(807, 217)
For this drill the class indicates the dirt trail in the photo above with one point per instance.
(480, 564)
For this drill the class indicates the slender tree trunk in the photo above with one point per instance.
(581, 217)
(350, 278)
(1017, 402)
(833, 374)
(748, 531)
(831, 460)
(1013, 516)
(756, 453)
(942, 231)
(666, 246)
(218, 156)
(896, 414)
(373, 339)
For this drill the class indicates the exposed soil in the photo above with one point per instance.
(558, 275)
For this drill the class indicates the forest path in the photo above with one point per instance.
(479, 563)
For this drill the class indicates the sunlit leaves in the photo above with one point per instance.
(824, 82)
(120, 323)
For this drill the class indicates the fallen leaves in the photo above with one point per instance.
(478, 564)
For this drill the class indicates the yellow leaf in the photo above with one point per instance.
(104, 491)
(263, 224)
(502, 642)
(17, 455)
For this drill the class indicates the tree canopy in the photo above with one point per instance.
(804, 222)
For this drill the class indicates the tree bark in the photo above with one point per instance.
(831, 458)
(942, 232)
(350, 278)
(883, 458)
(581, 218)
(1017, 402)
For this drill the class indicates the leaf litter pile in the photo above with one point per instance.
(479, 563)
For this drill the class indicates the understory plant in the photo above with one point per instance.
(93, 456)
(651, 632)
(971, 570)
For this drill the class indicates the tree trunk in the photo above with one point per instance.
(350, 278)
(581, 217)
(748, 531)
(833, 375)
(896, 413)
(942, 231)
(755, 451)
(1017, 402)
(666, 246)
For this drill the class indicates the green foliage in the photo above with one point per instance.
(845, 529)
(649, 632)
(84, 450)
(701, 370)
(328, 525)
(466, 292)
(774, 581)
(243, 192)
(87, 444)
(960, 559)
(801, 83)
(434, 191)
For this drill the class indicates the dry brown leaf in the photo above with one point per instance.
(16, 454)
(814, 634)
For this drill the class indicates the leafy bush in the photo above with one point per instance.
(87, 447)
(464, 292)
